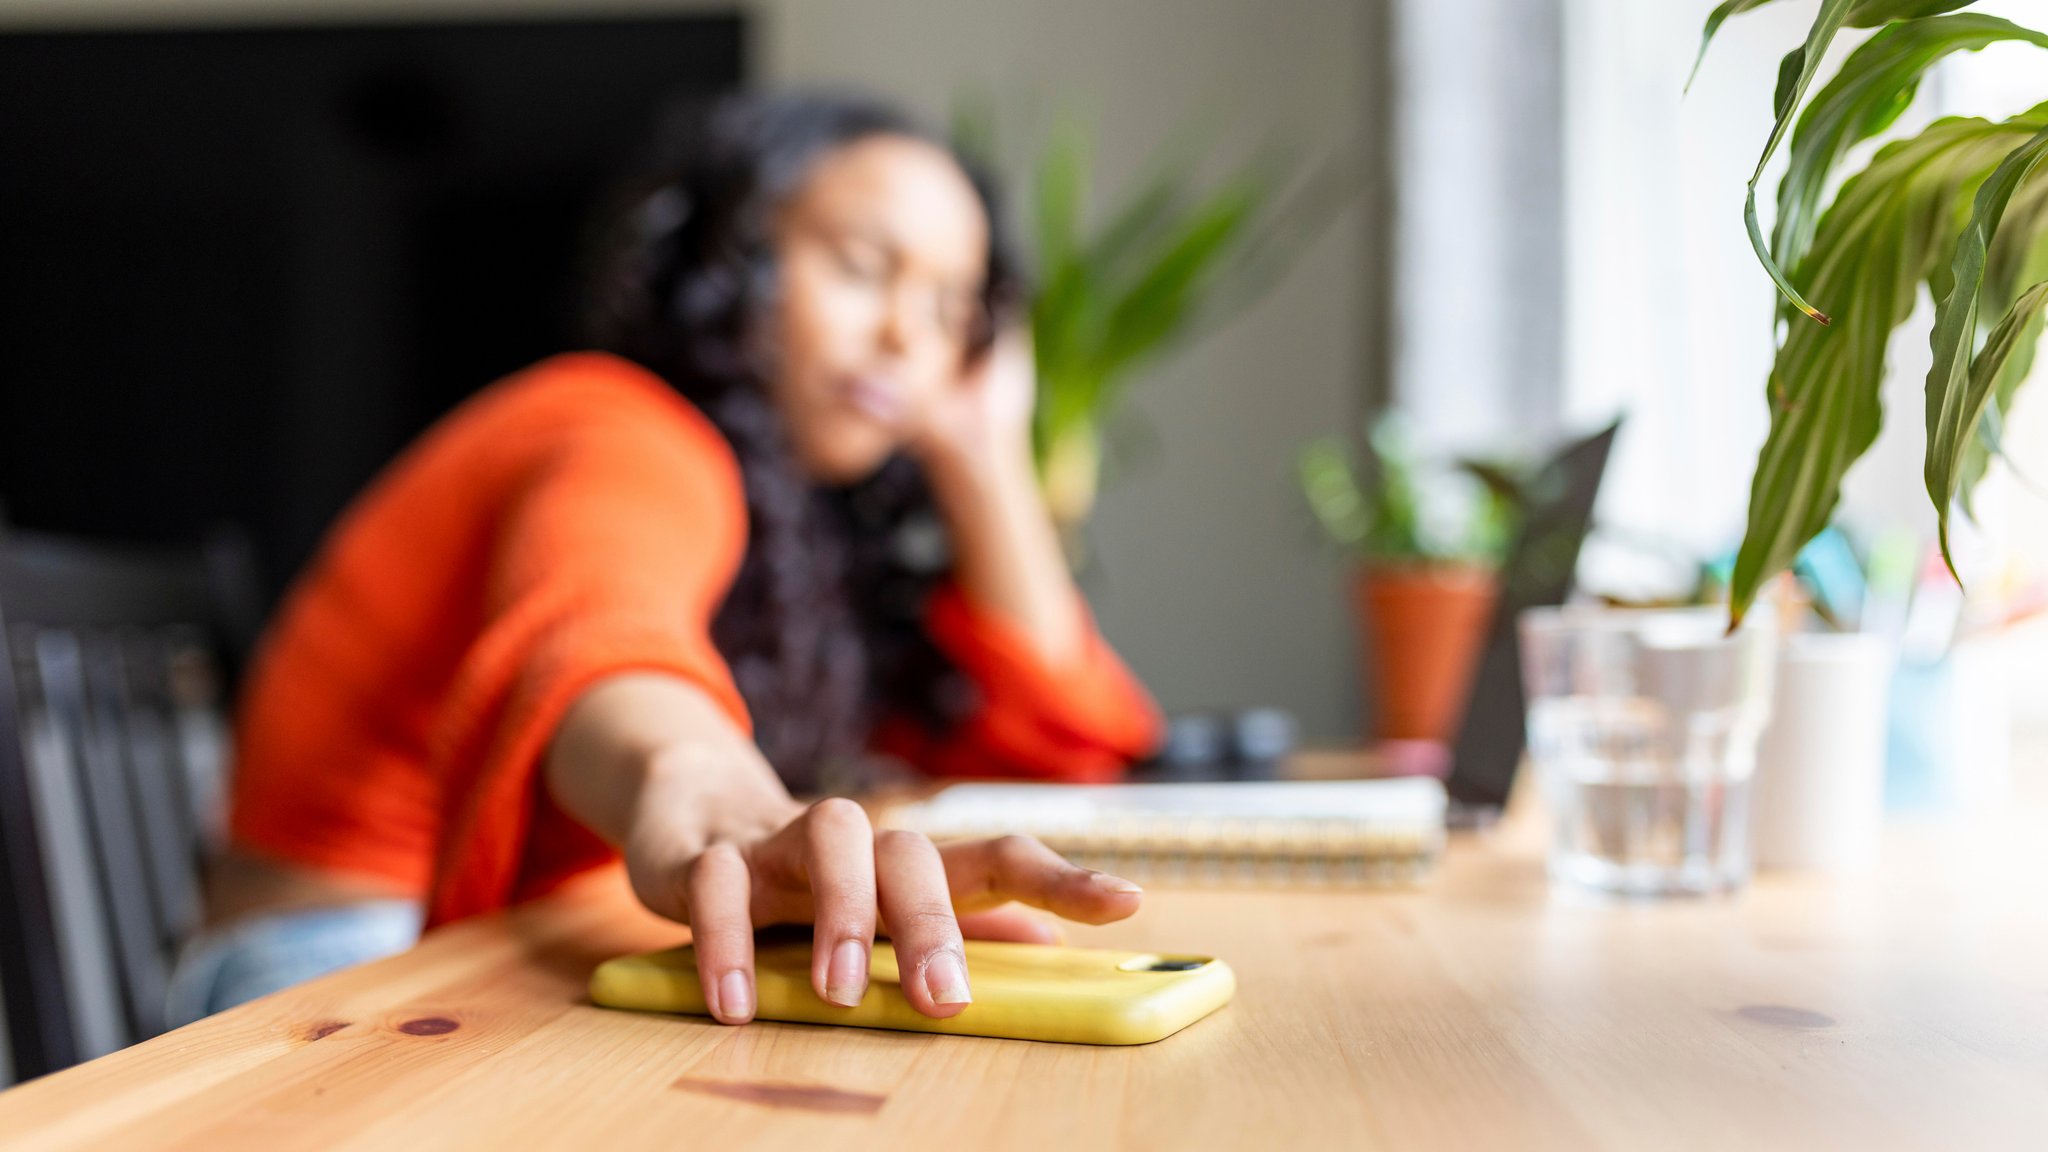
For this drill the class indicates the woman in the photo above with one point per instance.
(620, 603)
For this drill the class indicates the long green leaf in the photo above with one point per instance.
(1957, 392)
(1158, 201)
(1151, 210)
(2003, 364)
(2019, 256)
(1153, 307)
(1059, 317)
(1062, 193)
(1874, 13)
(1866, 14)
(1875, 85)
(1061, 307)
(1887, 230)
(1795, 74)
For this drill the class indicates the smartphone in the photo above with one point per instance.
(1021, 991)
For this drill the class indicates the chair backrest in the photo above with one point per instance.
(112, 777)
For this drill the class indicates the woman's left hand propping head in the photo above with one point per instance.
(987, 410)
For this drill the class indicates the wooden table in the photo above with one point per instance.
(1910, 1010)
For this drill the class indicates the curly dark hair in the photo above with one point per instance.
(823, 626)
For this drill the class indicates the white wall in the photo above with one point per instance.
(1209, 578)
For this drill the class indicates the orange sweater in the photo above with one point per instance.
(573, 521)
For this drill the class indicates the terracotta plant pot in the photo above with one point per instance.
(1421, 628)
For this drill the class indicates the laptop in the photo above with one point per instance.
(1537, 573)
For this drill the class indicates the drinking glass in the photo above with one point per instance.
(1643, 730)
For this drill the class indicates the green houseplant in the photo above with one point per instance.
(1423, 590)
(1962, 207)
(1171, 257)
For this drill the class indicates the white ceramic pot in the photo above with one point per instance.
(1818, 801)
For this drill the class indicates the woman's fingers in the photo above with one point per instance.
(839, 858)
(830, 866)
(930, 960)
(988, 873)
(719, 891)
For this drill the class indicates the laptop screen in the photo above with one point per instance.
(1557, 514)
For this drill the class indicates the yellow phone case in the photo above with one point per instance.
(1021, 991)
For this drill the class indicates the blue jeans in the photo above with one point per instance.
(234, 963)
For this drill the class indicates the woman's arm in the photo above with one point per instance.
(976, 450)
(649, 760)
(712, 840)
(1055, 702)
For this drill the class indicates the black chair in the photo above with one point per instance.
(113, 746)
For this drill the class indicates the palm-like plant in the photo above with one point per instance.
(1111, 298)
(1961, 206)
(1173, 257)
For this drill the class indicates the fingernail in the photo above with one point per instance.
(946, 978)
(1108, 883)
(735, 997)
(846, 978)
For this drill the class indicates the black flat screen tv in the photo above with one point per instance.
(240, 268)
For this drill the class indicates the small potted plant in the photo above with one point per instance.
(1427, 570)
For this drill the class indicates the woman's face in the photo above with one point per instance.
(881, 255)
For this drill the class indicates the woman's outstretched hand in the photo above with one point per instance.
(831, 868)
(713, 840)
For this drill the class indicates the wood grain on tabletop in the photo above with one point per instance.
(1909, 1010)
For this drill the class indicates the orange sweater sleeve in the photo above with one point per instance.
(1081, 720)
(611, 556)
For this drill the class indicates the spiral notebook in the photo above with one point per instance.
(1334, 833)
